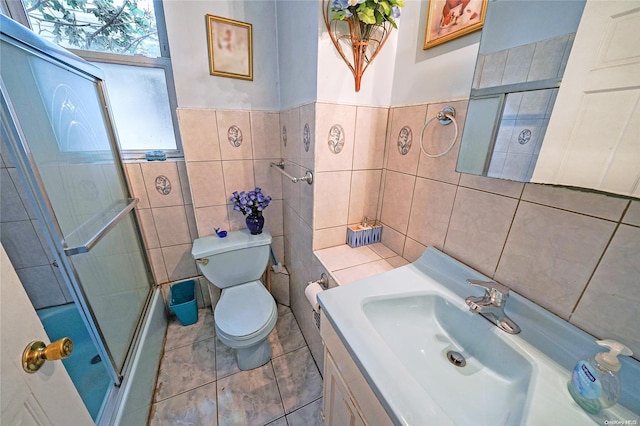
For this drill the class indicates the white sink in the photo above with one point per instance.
(399, 326)
(425, 331)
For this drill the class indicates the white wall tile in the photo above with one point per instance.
(431, 212)
(550, 255)
(632, 216)
(365, 189)
(397, 198)
(179, 262)
(136, 184)
(209, 218)
(575, 200)
(148, 226)
(307, 152)
(153, 170)
(238, 176)
(328, 115)
(493, 68)
(371, 132)
(413, 118)
(331, 206)
(265, 132)
(207, 183)
(171, 225)
(329, 237)
(609, 307)
(240, 119)
(199, 131)
(478, 228)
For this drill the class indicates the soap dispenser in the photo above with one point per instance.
(595, 381)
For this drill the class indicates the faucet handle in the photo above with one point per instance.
(496, 291)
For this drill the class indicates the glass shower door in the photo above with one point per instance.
(69, 146)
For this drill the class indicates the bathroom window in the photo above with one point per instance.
(127, 40)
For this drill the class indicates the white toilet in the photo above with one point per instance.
(246, 312)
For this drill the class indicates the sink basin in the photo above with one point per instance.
(400, 326)
(424, 331)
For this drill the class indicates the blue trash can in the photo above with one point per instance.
(183, 302)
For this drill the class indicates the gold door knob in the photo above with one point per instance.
(36, 353)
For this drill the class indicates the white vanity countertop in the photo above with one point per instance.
(551, 342)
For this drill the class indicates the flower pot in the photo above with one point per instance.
(255, 223)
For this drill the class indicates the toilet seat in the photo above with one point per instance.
(245, 313)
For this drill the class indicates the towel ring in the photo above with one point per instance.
(446, 116)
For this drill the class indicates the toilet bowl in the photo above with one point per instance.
(246, 313)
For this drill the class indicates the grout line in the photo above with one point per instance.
(275, 378)
(506, 238)
(595, 268)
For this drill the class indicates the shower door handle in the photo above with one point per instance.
(70, 251)
(36, 353)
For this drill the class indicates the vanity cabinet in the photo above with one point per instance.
(338, 407)
(347, 397)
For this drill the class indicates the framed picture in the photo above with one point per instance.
(230, 48)
(450, 19)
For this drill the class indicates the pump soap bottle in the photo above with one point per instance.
(595, 381)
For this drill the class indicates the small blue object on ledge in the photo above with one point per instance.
(155, 155)
(220, 233)
(364, 233)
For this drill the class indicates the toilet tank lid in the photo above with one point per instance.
(235, 240)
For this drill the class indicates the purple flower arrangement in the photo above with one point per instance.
(250, 202)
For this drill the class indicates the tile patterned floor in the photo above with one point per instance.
(199, 382)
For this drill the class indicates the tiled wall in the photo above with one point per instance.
(166, 216)
(575, 253)
(25, 245)
(298, 202)
(526, 114)
(348, 181)
(216, 167)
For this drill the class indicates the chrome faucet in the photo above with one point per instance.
(491, 305)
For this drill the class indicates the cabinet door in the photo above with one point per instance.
(339, 409)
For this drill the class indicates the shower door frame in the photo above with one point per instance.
(28, 171)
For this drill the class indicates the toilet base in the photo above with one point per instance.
(253, 356)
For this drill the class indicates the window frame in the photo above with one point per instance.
(16, 11)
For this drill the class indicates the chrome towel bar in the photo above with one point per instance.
(308, 176)
(70, 251)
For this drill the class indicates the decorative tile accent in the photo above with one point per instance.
(234, 135)
(284, 135)
(405, 136)
(336, 138)
(163, 185)
(524, 136)
(306, 137)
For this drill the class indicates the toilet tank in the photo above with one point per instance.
(236, 259)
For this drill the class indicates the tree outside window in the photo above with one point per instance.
(117, 26)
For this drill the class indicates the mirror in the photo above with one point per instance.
(524, 49)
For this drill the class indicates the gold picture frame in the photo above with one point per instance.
(450, 19)
(230, 46)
